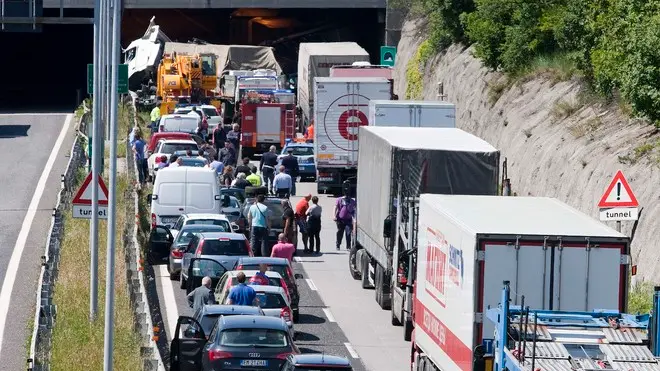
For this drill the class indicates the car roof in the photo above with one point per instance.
(169, 134)
(229, 235)
(193, 216)
(201, 226)
(298, 145)
(178, 141)
(230, 309)
(175, 115)
(268, 289)
(319, 359)
(263, 259)
(250, 273)
(249, 321)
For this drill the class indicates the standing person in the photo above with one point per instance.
(289, 219)
(290, 163)
(242, 294)
(309, 133)
(267, 167)
(140, 159)
(253, 178)
(218, 166)
(234, 137)
(282, 184)
(228, 154)
(219, 137)
(227, 176)
(260, 278)
(314, 224)
(155, 115)
(174, 161)
(283, 249)
(301, 218)
(201, 296)
(344, 216)
(260, 223)
(245, 167)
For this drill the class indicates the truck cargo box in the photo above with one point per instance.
(315, 60)
(422, 160)
(341, 107)
(414, 113)
(554, 255)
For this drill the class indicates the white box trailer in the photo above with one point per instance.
(315, 60)
(416, 113)
(342, 106)
(555, 256)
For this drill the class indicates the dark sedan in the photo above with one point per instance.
(235, 343)
(208, 315)
(276, 210)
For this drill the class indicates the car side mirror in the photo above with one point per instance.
(150, 198)
(217, 197)
(235, 227)
(298, 276)
(387, 227)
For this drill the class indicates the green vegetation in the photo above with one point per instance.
(415, 71)
(77, 343)
(613, 44)
(640, 298)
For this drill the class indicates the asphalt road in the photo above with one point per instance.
(337, 315)
(26, 145)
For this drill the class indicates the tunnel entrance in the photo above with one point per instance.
(47, 71)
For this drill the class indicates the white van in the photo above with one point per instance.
(183, 190)
(182, 123)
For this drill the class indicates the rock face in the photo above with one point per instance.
(556, 146)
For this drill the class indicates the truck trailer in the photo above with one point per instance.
(417, 113)
(315, 60)
(396, 165)
(555, 258)
(342, 105)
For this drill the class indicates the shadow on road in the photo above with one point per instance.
(305, 336)
(13, 131)
(310, 319)
(309, 351)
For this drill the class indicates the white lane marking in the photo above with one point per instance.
(297, 259)
(15, 259)
(329, 315)
(169, 302)
(351, 351)
(311, 284)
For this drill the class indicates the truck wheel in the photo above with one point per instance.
(365, 271)
(383, 288)
(378, 290)
(407, 329)
(352, 263)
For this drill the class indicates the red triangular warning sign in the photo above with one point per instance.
(618, 194)
(84, 194)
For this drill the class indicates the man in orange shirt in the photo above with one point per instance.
(301, 218)
(310, 132)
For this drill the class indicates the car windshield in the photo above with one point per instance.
(225, 247)
(303, 151)
(281, 269)
(169, 148)
(247, 337)
(219, 222)
(211, 112)
(186, 235)
(270, 300)
(195, 162)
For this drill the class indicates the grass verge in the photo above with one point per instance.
(640, 298)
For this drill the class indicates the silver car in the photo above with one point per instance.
(182, 240)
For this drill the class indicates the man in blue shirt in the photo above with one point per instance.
(259, 222)
(216, 165)
(140, 160)
(242, 294)
(282, 183)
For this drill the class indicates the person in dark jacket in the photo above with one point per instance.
(227, 155)
(219, 137)
(290, 163)
(201, 296)
(244, 168)
(267, 165)
(234, 136)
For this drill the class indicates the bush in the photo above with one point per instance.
(614, 44)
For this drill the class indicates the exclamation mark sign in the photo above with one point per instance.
(618, 191)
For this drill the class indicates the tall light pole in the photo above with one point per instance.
(112, 199)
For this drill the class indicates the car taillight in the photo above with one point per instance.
(282, 355)
(239, 267)
(157, 160)
(199, 249)
(215, 355)
(177, 254)
(249, 248)
(286, 314)
(285, 287)
(153, 221)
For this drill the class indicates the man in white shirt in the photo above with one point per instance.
(282, 183)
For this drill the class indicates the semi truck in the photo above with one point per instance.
(342, 105)
(364, 69)
(555, 258)
(315, 60)
(396, 165)
(417, 113)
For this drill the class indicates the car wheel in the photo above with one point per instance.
(296, 315)
(182, 282)
(173, 275)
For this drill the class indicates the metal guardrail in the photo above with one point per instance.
(45, 311)
(134, 272)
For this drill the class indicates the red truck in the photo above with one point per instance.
(267, 118)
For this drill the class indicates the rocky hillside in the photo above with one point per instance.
(559, 140)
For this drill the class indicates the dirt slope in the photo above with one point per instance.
(572, 158)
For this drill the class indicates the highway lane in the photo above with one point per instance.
(29, 183)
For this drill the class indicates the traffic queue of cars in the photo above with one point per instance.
(200, 230)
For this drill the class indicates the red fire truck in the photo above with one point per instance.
(267, 118)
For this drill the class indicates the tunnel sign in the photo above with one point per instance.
(82, 201)
(618, 202)
(387, 55)
(122, 83)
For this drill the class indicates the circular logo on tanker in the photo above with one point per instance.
(347, 122)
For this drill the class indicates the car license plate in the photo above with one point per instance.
(254, 363)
